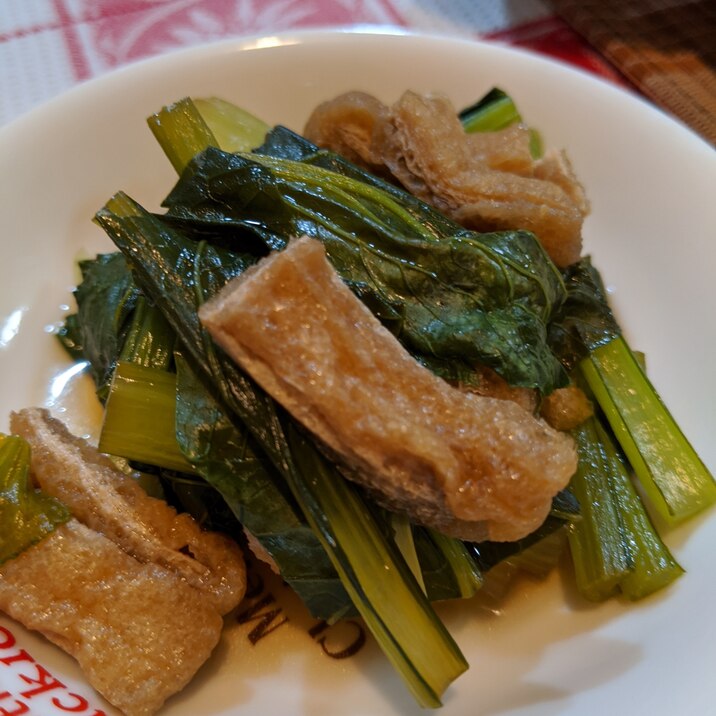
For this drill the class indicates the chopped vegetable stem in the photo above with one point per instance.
(674, 478)
(181, 132)
(467, 574)
(150, 339)
(653, 566)
(598, 541)
(614, 518)
(235, 129)
(139, 419)
(540, 558)
(185, 128)
(403, 535)
(494, 111)
(26, 514)
(381, 585)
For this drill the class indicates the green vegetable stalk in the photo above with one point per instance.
(614, 546)
(27, 515)
(673, 476)
(495, 111)
(140, 406)
(187, 124)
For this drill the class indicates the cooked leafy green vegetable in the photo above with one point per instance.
(542, 556)
(489, 554)
(179, 128)
(454, 298)
(179, 276)
(228, 459)
(584, 322)
(141, 403)
(114, 322)
(585, 334)
(677, 482)
(474, 297)
(26, 514)
(379, 582)
(467, 573)
(235, 129)
(404, 541)
(614, 546)
(600, 552)
(149, 340)
(495, 111)
(186, 124)
(106, 298)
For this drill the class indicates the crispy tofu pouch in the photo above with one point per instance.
(104, 498)
(485, 181)
(138, 631)
(132, 590)
(471, 466)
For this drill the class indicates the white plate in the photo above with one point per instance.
(651, 233)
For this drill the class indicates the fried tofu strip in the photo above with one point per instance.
(134, 591)
(485, 181)
(138, 631)
(107, 500)
(472, 466)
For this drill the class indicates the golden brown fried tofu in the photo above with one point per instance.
(134, 591)
(485, 181)
(138, 631)
(566, 408)
(104, 498)
(472, 466)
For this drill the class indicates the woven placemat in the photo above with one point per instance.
(666, 48)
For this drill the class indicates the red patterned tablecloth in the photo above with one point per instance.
(47, 46)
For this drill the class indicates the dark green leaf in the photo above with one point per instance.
(453, 294)
(438, 576)
(497, 110)
(105, 300)
(584, 321)
(70, 336)
(494, 111)
(489, 554)
(149, 340)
